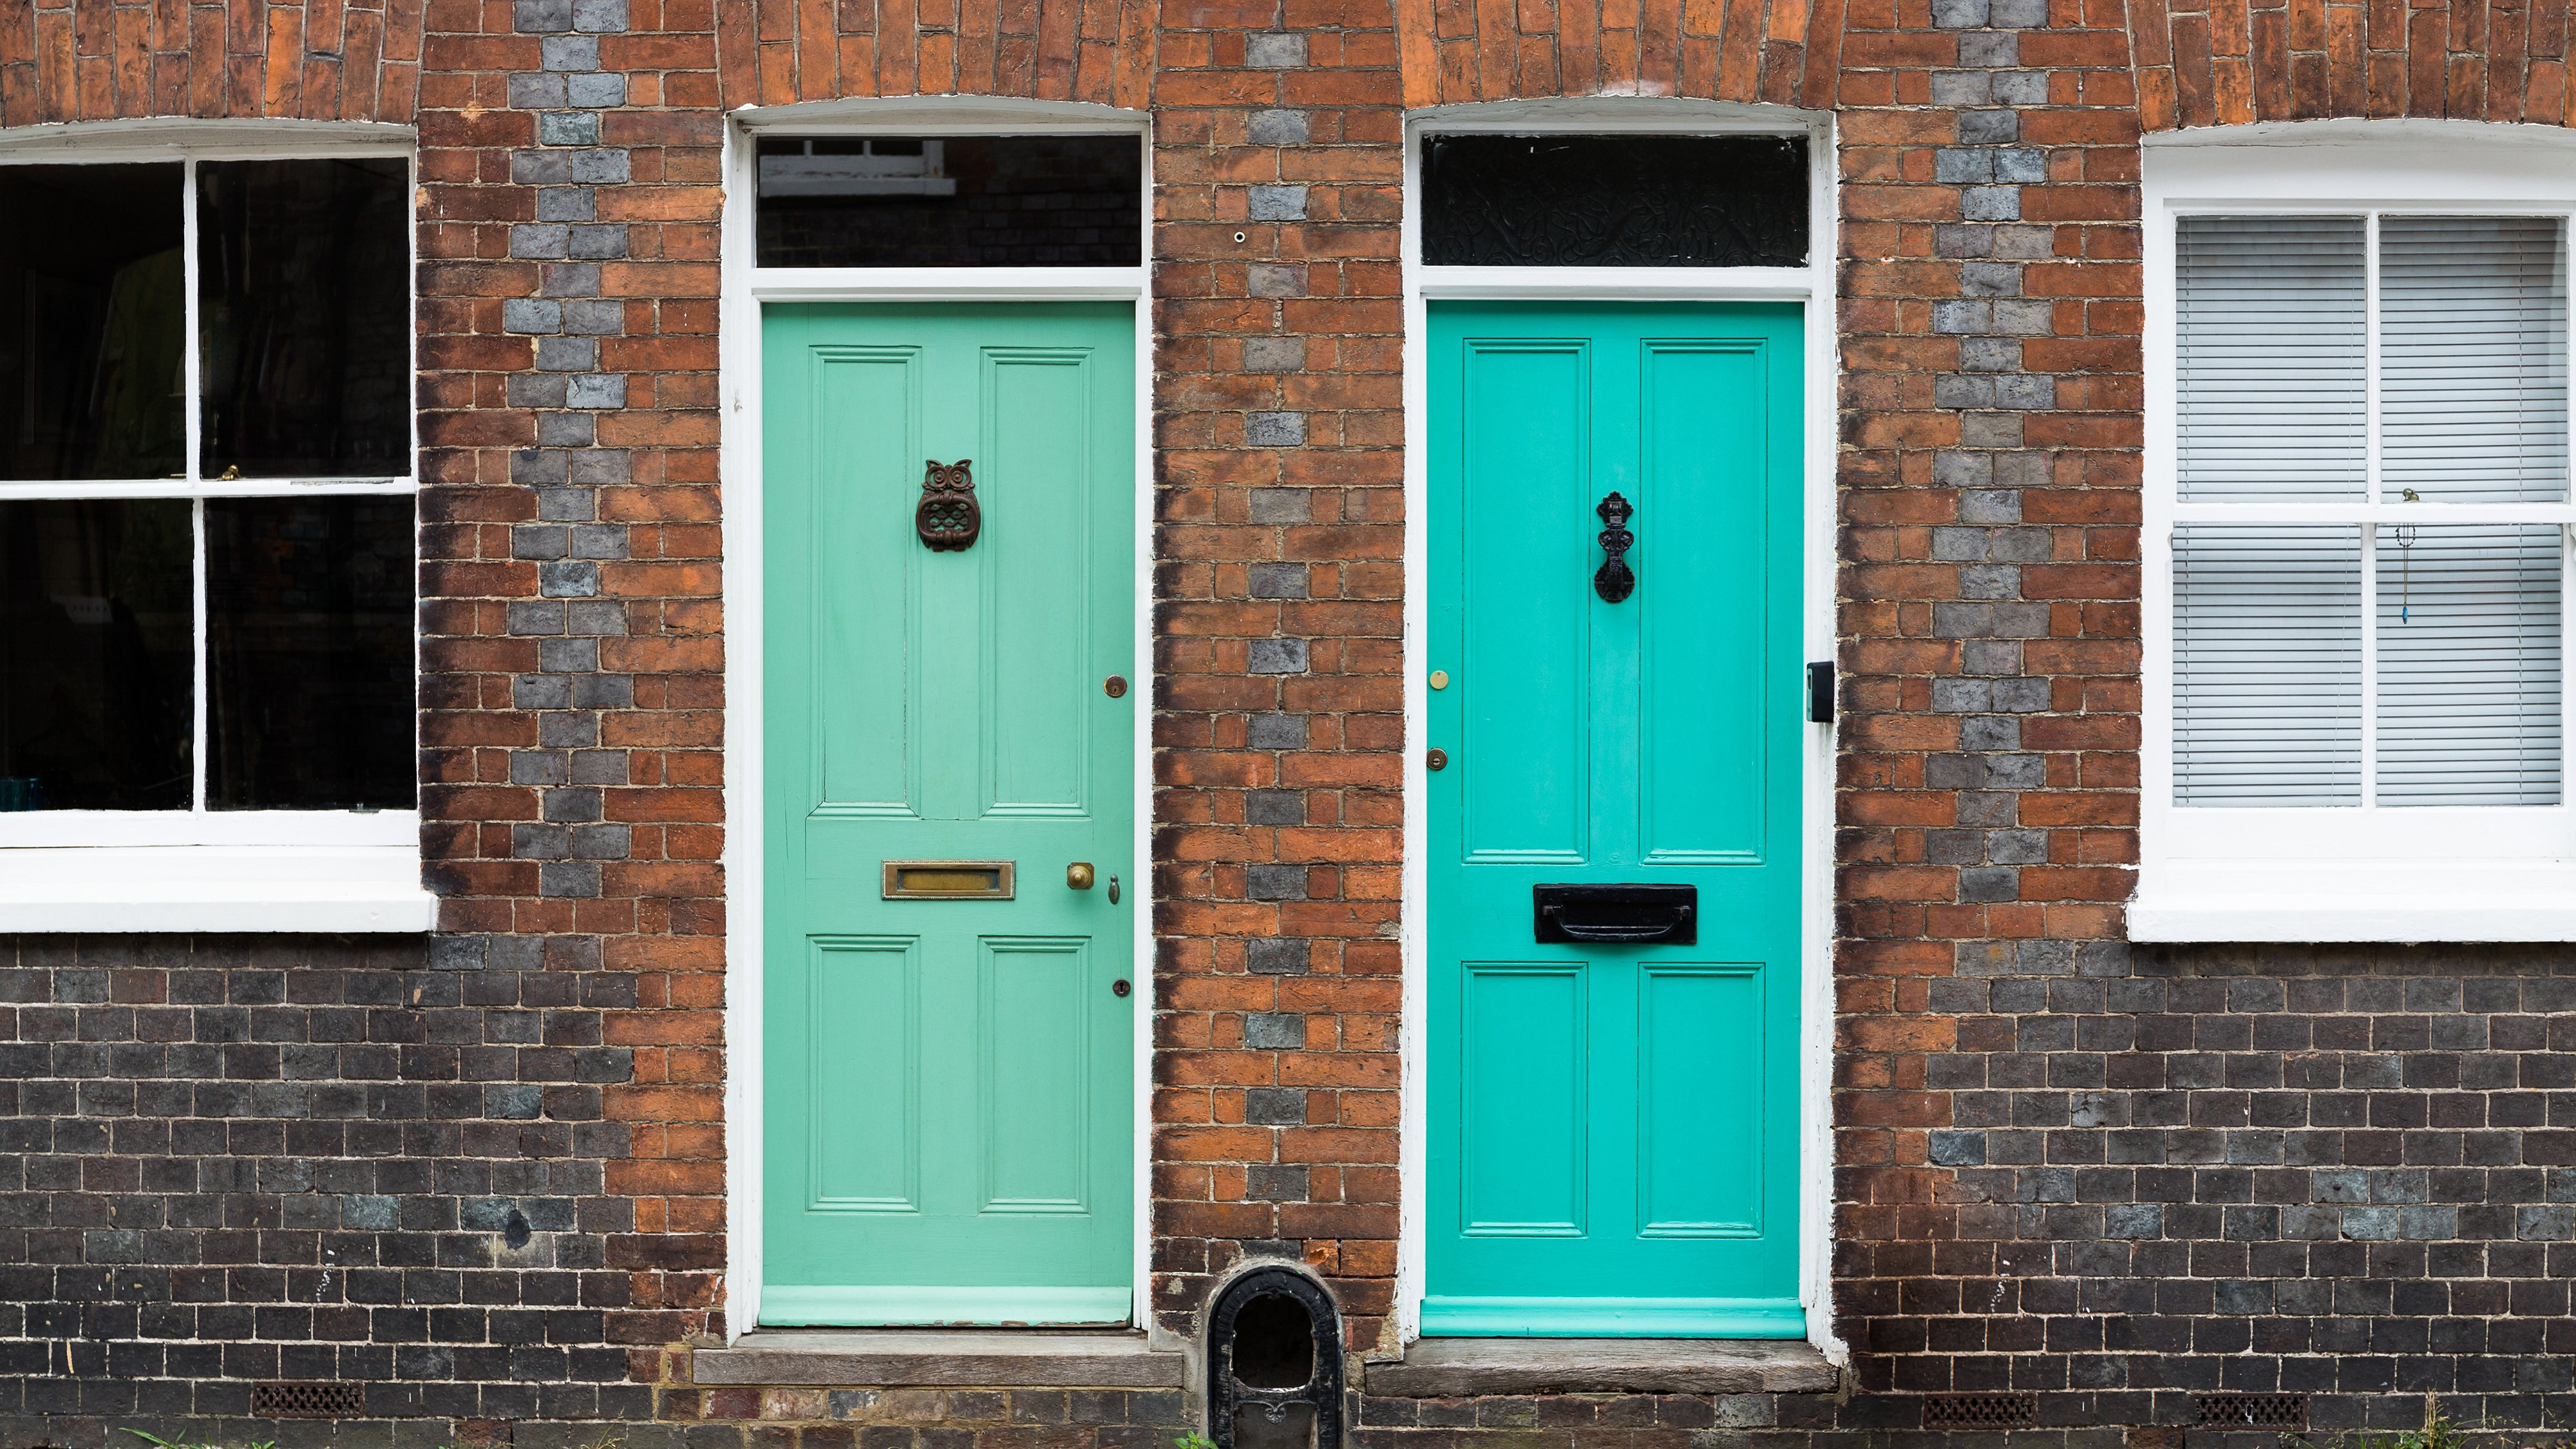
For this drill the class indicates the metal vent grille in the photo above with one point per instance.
(308, 1401)
(1980, 1411)
(2252, 1411)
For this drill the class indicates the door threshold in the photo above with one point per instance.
(1037, 1358)
(1457, 1368)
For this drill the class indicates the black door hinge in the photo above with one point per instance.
(1820, 692)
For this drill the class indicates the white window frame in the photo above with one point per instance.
(198, 869)
(2343, 873)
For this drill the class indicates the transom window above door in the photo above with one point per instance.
(206, 500)
(1614, 200)
(868, 200)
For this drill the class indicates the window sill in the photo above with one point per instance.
(2356, 901)
(1457, 1368)
(352, 889)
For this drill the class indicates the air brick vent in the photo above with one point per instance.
(308, 1401)
(1980, 1411)
(2252, 1411)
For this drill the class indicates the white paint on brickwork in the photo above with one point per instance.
(745, 288)
(196, 869)
(2331, 874)
(1812, 285)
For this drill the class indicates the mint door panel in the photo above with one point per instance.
(950, 1108)
(1613, 1128)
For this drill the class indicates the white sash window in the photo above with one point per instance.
(2358, 519)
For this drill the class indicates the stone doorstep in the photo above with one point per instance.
(939, 1358)
(1458, 1368)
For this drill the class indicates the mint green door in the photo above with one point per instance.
(949, 1114)
(1613, 1128)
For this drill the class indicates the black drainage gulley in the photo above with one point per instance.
(1275, 1364)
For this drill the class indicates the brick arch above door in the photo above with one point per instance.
(326, 60)
(2311, 59)
(776, 52)
(1456, 51)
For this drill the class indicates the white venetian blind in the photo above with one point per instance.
(2267, 664)
(2468, 693)
(2473, 358)
(2271, 332)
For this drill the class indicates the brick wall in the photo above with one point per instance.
(2060, 1168)
(225, 1160)
(323, 60)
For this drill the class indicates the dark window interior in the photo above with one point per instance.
(309, 650)
(1615, 201)
(93, 322)
(953, 201)
(96, 653)
(304, 296)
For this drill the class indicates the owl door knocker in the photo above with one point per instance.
(948, 517)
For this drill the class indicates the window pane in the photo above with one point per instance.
(2267, 664)
(2468, 665)
(1615, 201)
(304, 291)
(2270, 344)
(2473, 358)
(96, 652)
(957, 201)
(309, 653)
(93, 322)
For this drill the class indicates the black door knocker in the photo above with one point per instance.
(948, 517)
(1616, 580)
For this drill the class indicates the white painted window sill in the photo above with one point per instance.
(2354, 901)
(131, 889)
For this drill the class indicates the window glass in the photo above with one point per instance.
(93, 351)
(2267, 664)
(309, 653)
(2473, 358)
(303, 296)
(2272, 345)
(951, 201)
(1615, 201)
(96, 654)
(2469, 664)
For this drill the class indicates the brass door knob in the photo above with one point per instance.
(1077, 876)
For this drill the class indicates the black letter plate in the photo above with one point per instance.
(1617, 915)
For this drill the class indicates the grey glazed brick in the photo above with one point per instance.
(1274, 51)
(1276, 732)
(1274, 430)
(540, 16)
(1277, 656)
(569, 52)
(521, 314)
(598, 92)
(1274, 354)
(1278, 203)
(535, 242)
(536, 91)
(1274, 807)
(1273, 279)
(1277, 956)
(607, 17)
(1275, 882)
(1278, 581)
(596, 392)
(568, 128)
(1275, 1031)
(1277, 128)
(567, 203)
(1281, 505)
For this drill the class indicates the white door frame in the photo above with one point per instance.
(1811, 285)
(745, 287)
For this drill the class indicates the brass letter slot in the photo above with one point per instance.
(949, 880)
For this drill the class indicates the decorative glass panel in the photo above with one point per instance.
(1614, 201)
(2267, 664)
(2271, 377)
(2468, 693)
(954, 201)
(93, 324)
(309, 653)
(304, 296)
(96, 653)
(2473, 358)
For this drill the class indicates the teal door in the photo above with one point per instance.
(1613, 1128)
(950, 1052)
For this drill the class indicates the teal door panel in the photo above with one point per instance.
(950, 1108)
(1613, 1129)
